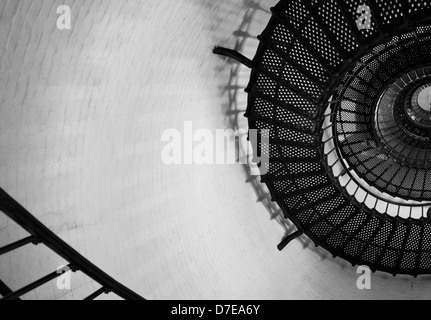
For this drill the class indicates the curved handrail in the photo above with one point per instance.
(329, 168)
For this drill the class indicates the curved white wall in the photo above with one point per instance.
(81, 117)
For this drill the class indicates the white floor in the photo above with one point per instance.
(81, 118)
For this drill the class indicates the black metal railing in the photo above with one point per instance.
(40, 234)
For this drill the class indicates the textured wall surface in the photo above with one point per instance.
(81, 117)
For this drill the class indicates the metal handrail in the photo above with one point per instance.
(41, 234)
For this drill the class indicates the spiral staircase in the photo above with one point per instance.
(343, 89)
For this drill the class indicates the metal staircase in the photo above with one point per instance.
(342, 87)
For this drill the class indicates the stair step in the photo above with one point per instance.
(304, 191)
